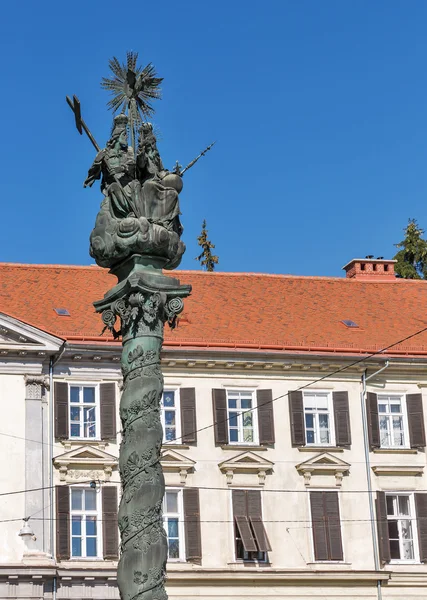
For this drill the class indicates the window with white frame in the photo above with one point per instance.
(402, 529)
(393, 421)
(241, 414)
(84, 411)
(318, 418)
(174, 523)
(170, 415)
(85, 521)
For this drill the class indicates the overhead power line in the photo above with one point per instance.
(302, 387)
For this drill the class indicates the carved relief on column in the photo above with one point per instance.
(142, 312)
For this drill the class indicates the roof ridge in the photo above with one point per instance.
(48, 266)
(218, 273)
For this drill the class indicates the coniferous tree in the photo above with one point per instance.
(206, 258)
(412, 256)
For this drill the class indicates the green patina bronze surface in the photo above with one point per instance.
(143, 302)
(136, 235)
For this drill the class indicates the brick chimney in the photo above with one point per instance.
(370, 269)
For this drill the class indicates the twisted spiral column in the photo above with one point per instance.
(143, 313)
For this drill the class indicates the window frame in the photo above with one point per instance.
(234, 531)
(181, 528)
(414, 524)
(99, 532)
(330, 412)
(81, 405)
(404, 413)
(253, 410)
(178, 429)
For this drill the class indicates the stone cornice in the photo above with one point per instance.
(398, 469)
(235, 575)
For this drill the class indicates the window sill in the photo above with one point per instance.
(329, 562)
(405, 562)
(68, 444)
(324, 448)
(243, 447)
(87, 559)
(176, 561)
(249, 563)
(395, 450)
(176, 446)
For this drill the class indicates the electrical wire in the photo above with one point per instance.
(326, 376)
(303, 387)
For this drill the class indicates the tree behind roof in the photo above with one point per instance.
(412, 256)
(206, 258)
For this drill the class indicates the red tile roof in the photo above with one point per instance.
(233, 310)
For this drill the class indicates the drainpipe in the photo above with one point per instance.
(368, 471)
(52, 363)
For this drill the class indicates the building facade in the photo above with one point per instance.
(294, 416)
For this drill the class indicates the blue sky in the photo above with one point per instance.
(319, 110)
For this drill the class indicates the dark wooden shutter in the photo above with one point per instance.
(246, 534)
(421, 508)
(255, 517)
(325, 517)
(61, 410)
(296, 410)
(248, 516)
(333, 522)
(265, 416)
(110, 529)
(253, 503)
(239, 503)
(373, 420)
(107, 393)
(193, 539)
(382, 527)
(318, 522)
(62, 522)
(414, 407)
(219, 398)
(342, 419)
(240, 512)
(188, 416)
(260, 534)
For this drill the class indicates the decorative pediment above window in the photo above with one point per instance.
(174, 462)
(398, 469)
(18, 336)
(246, 463)
(85, 463)
(323, 464)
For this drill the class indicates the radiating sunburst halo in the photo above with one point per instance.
(133, 88)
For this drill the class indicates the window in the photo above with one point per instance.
(401, 523)
(326, 526)
(392, 421)
(242, 426)
(84, 412)
(174, 524)
(251, 541)
(170, 416)
(318, 419)
(85, 533)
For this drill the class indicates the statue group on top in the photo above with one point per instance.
(140, 211)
